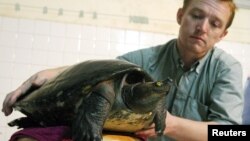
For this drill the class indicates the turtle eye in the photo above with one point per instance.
(158, 84)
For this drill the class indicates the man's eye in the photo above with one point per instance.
(215, 24)
(195, 16)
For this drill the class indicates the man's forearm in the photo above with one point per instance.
(182, 129)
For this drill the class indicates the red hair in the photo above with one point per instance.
(230, 3)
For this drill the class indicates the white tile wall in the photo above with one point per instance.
(6, 69)
(87, 46)
(132, 37)
(28, 46)
(24, 40)
(71, 45)
(42, 27)
(56, 43)
(41, 42)
(8, 39)
(26, 26)
(102, 34)
(7, 54)
(55, 59)
(58, 29)
(88, 32)
(20, 71)
(73, 31)
(10, 24)
(6, 85)
(70, 58)
(146, 39)
(39, 57)
(22, 55)
(117, 35)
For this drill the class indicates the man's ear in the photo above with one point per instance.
(223, 35)
(179, 15)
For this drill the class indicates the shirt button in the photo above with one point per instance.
(151, 69)
(174, 112)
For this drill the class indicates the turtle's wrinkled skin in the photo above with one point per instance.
(91, 96)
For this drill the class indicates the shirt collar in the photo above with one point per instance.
(202, 61)
(197, 66)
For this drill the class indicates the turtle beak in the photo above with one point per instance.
(168, 81)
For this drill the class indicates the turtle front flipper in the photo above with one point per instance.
(160, 117)
(92, 113)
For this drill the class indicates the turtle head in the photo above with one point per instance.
(143, 97)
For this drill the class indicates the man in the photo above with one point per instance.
(209, 89)
(208, 81)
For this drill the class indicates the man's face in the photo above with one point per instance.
(202, 24)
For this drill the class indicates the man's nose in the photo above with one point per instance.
(202, 26)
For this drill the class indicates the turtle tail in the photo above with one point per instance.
(24, 122)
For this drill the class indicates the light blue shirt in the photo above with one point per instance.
(210, 91)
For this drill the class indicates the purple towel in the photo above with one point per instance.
(57, 133)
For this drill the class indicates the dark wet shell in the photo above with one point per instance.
(63, 94)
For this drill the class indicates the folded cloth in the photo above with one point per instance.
(55, 133)
(60, 133)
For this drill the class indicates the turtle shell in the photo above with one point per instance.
(57, 101)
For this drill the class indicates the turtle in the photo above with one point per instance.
(95, 96)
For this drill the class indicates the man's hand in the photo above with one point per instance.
(34, 82)
(10, 99)
(150, 132)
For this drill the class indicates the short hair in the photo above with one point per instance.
(230, 3)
